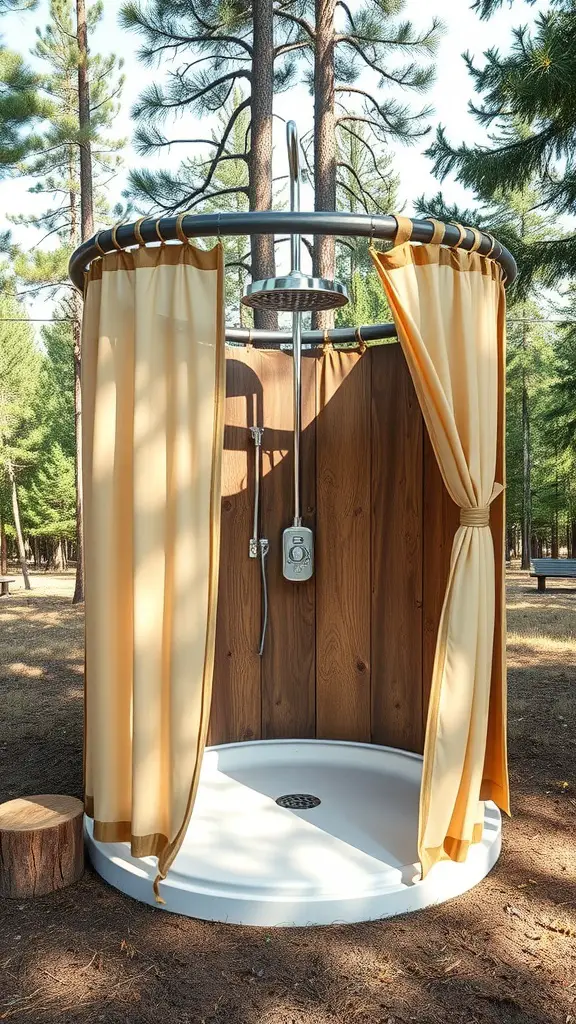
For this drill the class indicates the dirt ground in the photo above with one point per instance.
(505, 952)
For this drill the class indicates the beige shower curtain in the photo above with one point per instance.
(153, 395)
(449, 308)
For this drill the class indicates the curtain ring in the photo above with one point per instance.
(326, 343)
(461, 232)
(137, 232)
(477, 239)
(403, 229)
(97, 244)
(438, 232)
(157, 230)
(113, 236)
(218, 235)
(249, 345)
(180, 230)
(492, 244)
(360, 340)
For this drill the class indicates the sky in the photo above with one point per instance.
(449, 97)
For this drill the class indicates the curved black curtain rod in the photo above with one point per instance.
(210, 225)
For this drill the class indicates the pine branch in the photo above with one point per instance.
(295, 20)
(153, 102)
(367, 147)
(394, 116)
(411, 76)
(363, 189)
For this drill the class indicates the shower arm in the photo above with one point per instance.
(295, 245)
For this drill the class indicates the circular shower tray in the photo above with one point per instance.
(301, 832)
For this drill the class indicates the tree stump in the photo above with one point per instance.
(41, 845)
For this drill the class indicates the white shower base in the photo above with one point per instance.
(247, 860)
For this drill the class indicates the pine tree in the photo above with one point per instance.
(533, 87)
(57, 383)
(21, 107)
(19, 433)
(54, 162)
(73, 165)
(49, 504)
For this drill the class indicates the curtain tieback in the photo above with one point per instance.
(475, 516)
(479, 515)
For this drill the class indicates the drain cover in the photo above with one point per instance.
(298, 801)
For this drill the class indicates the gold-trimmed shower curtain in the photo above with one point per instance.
(153, 394)
(449, 309)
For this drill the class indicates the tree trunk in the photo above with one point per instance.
(41, 845)
(324, 145)
(526, 476)
(3, 548)
(260, 163)
(57, 561)
(86, 230)
(86, 197)
(18, 527)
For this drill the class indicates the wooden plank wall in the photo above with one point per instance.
(396, 554)
(348, 655)
(343, 588)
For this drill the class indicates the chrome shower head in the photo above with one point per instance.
(295, 293)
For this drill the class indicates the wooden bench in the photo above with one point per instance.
(5, 582)
(559, 568)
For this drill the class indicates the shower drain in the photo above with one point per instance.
(298, 801)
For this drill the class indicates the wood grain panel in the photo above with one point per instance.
(236, 695)
(397, 432)
(289, 661)
(343, 580)
(441, 520)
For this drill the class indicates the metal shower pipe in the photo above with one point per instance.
(295, 245)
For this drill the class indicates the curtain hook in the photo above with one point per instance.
(326, 343)
(115, 242)
(403, 231)
(180, 230)
(477, 239)
(97, 244)
(157, 230)
(438, 232)
(461, 234)
(250, 343)
(492, 244)
(137, 232)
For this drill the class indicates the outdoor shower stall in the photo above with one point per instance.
(331, 630)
